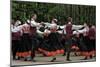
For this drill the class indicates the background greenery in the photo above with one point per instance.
(46, 11)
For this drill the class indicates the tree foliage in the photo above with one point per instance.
(47, 11)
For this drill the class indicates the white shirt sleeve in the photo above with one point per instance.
(46, 31)
(33, 23)
(60, 32)
(38, 31)
(16, 29)
(64, 30)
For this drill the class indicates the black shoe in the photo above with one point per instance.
(14, 58)
(13, 66)
(68, 60)
(31, 60)
(64, 54)
(53, 60)
(34, 60)
(25, 59)
(91, 56)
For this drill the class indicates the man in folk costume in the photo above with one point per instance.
(68, 37)
(63, 40)
(34, 38)
(33, 20)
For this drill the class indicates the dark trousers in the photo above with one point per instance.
(68, 44)
(35, 43)
(15, 44)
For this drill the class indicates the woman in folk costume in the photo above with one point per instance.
(25, 46)
(82, 44)
(45, 35)
(86, 41)
(92, 37)
(80, 40)
(15, 39)
(83, 41)
(80, 36)
(75, 42)
(44, 44)
(53, 46)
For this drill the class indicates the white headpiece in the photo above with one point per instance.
(17, 23)
(52, 26)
